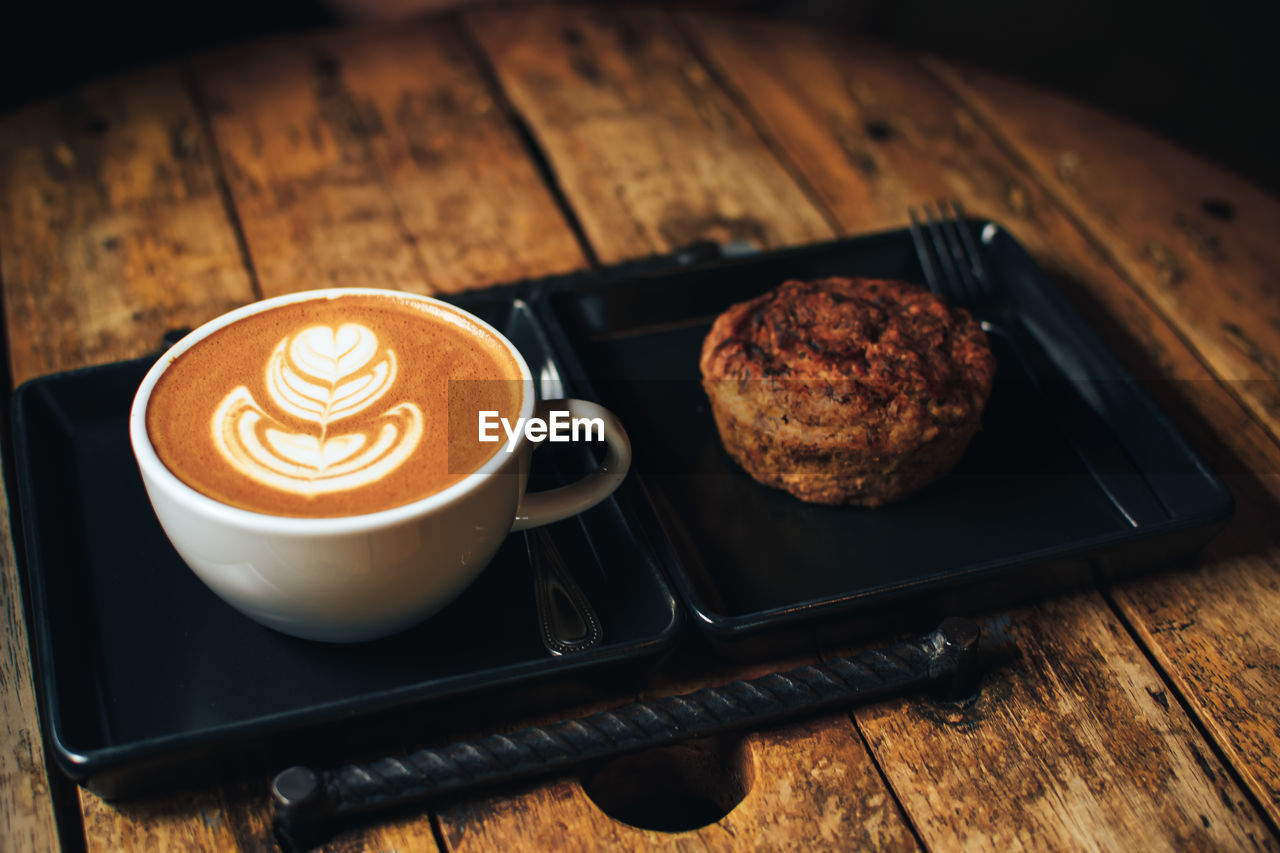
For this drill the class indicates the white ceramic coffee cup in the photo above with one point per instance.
(364, 576)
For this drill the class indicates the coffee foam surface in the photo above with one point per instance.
(332, 407)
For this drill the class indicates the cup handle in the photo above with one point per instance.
(539, 508)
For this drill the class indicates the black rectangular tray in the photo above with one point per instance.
(147, 678)
(1018, 517)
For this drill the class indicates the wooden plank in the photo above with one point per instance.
(112, 229)
(810, 785)
(378, 157)
(1207, 627)
(26, 811)
(873, 135)
(803, 793)
(1198, 241)
(648, 150)
(230, 817)
(515, 817)
(192, 821)
(1076, 745)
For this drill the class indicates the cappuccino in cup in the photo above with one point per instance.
(333, 407)
(317, 458)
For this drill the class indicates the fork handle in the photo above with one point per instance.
(1094, 444)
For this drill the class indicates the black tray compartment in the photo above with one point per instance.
(1020, 516)
(147, 678)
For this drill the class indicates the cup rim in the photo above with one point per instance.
(157, 474)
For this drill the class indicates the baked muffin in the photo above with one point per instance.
(846, 391)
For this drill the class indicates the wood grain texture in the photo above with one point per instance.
(189, 821)
(112, 229)
(873, 134)
(1076, 745)
(807, 786)
(1198, 241)
(1207, 627)
(810, 785)
(648, 150)
(380, 158)
(26, 812)
(230, 817)
(804, 793)
(513, 818)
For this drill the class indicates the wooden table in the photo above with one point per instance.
(509, 143)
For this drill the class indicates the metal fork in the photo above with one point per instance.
(958, 276)
(954, 270)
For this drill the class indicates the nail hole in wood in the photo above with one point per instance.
(878, 130)
(673, 789)
(1218, 209)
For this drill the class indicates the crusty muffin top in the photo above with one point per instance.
(872, 347)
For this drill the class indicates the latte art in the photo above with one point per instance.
(317, 379)
(332, 407)
(326, 374)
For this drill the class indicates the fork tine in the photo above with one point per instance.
(951, 226)
(925, 256)
(975, 256)
(954, 284)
